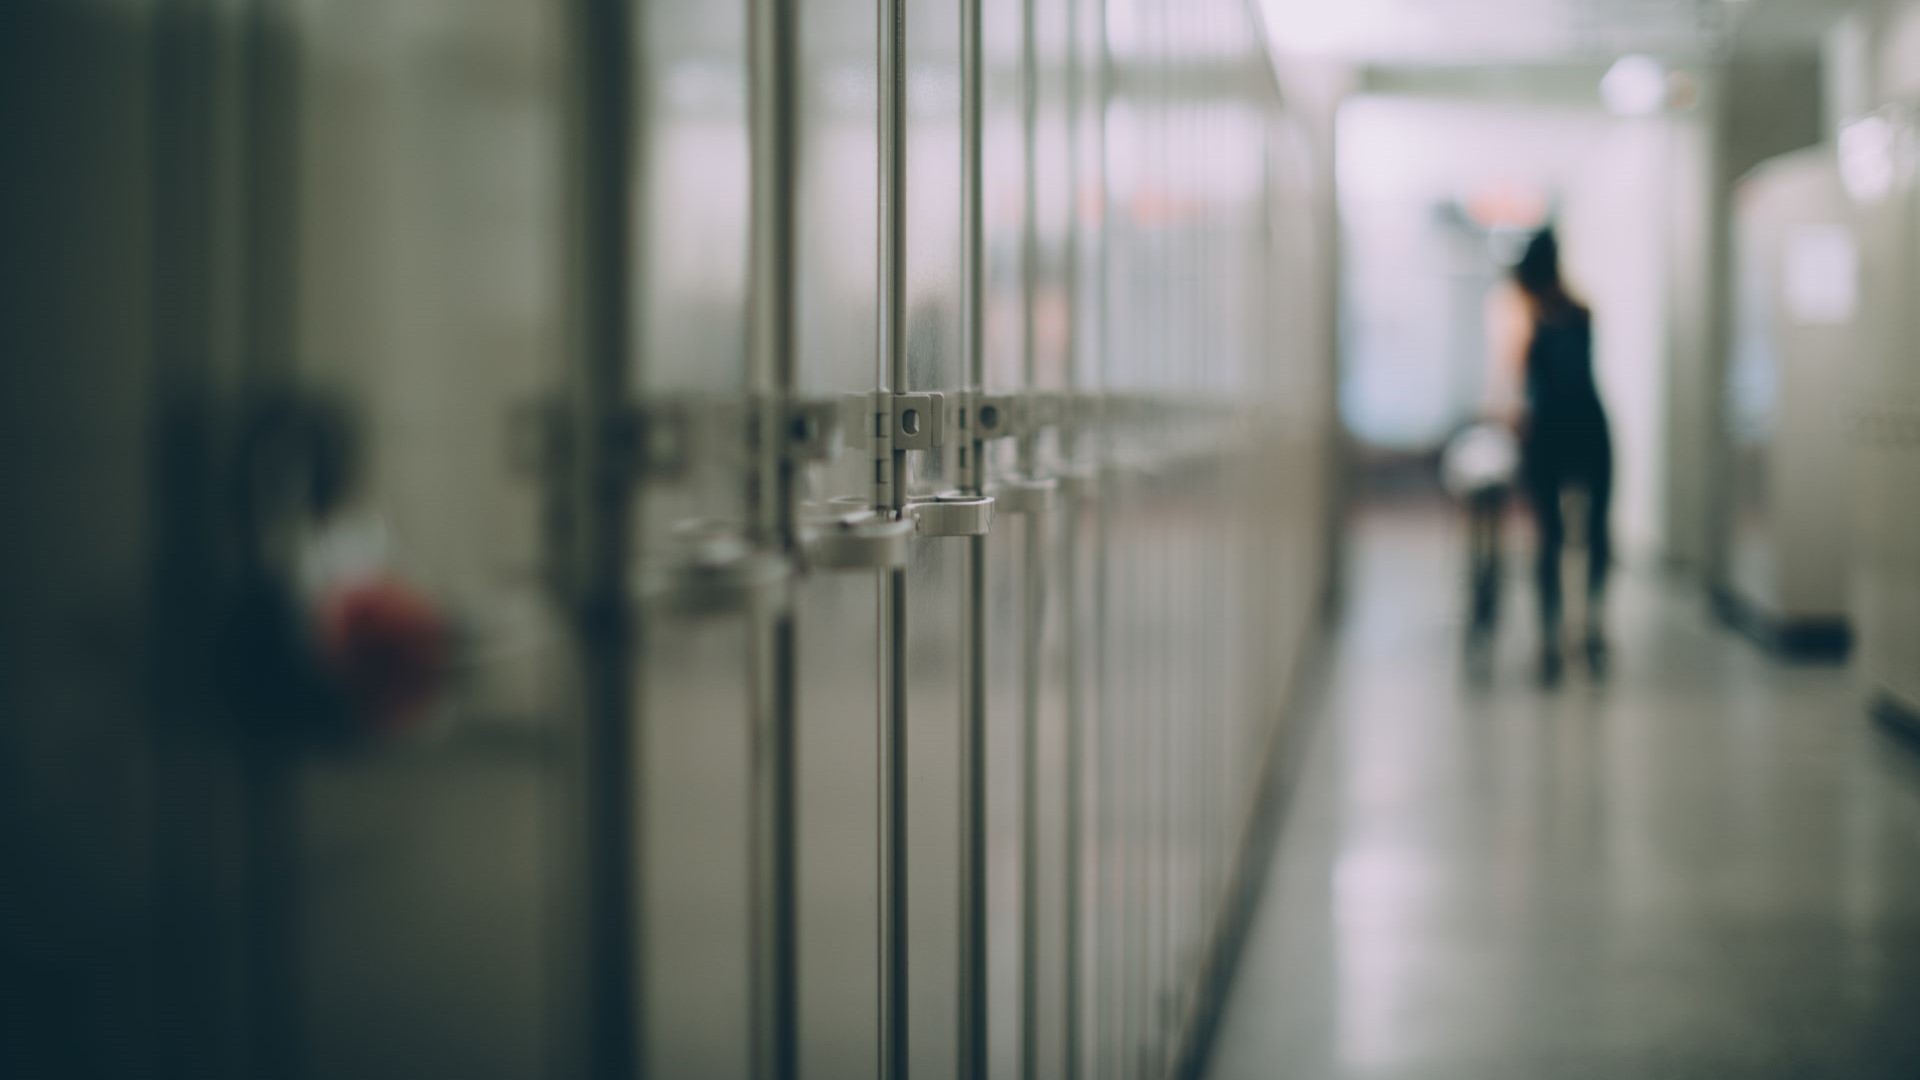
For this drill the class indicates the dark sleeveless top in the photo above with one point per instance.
(1560, 384)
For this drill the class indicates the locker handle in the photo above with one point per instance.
(1027, 496)
(952, 513)
(859, 540)
(742, 580)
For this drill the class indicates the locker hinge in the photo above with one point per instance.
(979, 418)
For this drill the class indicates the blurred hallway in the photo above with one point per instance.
(1708, 867)
(792, 539)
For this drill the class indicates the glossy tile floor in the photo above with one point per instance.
(1707, 867)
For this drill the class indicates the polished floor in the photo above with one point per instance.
(1709, 866)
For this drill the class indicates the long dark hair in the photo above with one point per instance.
(1538, 275)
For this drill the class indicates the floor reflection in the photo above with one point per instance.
(1707, 865)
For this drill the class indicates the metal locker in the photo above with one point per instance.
(423, 194)
(838, 610)
(1796, 298)
(1876, 160)
(708, 669)
(629, 538)
(354, 688)
(82, 337)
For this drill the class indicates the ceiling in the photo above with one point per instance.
(1541, 31)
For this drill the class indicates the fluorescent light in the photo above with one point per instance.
(1634, 86)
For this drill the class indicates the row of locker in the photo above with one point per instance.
(634, 538)
(1822, 414)
(1886, 416)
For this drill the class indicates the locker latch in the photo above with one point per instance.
(989, 416)
(814, 430)
(986, 417)
(883, 421)
(911, 421)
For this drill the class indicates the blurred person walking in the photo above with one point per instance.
(1565, 441)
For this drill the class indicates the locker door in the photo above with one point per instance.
(931, 635)
(1049, 360)
(1082, 550)
(414, 225)
(1130, 671)
(1902, 463)
(883, 639)
(1878, 257)
(1887, 589)
(712, 582)
(838, 679)
(78, 322)
(1006, 264)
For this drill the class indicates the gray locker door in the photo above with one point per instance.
(1903, 464)
(79, 319)
(424, 269)
(930, 636)
(838, 683)
(625, 538)
(1006, 73)
(1888, 584)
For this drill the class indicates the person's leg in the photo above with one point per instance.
(1599, 550)
(1599, 531)
(1496, 520)
(1543, 491)
(1486, 562)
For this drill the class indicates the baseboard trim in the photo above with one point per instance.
(1816, 640)
(1286, 756)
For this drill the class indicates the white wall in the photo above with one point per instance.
(1614, 235)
